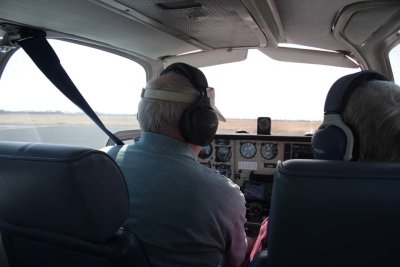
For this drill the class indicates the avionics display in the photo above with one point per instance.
(253, 190)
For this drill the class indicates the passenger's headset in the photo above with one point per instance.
(334, 140)
(199, 122)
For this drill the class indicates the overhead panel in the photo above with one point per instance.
(206, 24)
(355, 24)
(361, 27)
(364, 23)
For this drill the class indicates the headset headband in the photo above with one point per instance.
(342, 89)
(169, 96)
(194, 75)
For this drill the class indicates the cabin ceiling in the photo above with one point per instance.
(159, 28)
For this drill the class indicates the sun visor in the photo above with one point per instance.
(208, 58)
(309, 56)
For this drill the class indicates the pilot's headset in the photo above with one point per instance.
(199, 122)
(334, 140)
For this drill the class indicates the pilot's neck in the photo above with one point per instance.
(177, 135)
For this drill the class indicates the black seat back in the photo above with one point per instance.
(64, 206)
(335, 213)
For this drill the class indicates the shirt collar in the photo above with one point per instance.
(167, 144)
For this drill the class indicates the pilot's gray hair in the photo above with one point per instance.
(373, 113)
(160, 115)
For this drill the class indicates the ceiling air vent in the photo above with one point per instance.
(180, 5)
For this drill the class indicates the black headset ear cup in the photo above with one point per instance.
(199, 124)
(329, 142)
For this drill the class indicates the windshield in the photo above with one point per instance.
(291, 94)
(394, 58)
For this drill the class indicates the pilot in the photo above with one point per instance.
(362, 122)
(186, 214)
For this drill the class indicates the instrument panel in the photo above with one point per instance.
(250, 161)
(240, 156)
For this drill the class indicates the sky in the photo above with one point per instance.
(249, 89)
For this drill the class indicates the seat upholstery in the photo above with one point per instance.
(335, 213)
(64, 206)
(260, 260)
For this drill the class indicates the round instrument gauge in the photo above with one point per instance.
(224, 170)
(269, 151)
(223, 153)
(248, 150)
(206, 151)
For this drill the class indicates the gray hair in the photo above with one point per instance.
(160, 115)
(373, 114)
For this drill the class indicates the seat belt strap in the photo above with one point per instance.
(40, 51)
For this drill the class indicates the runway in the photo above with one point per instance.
(81, 135)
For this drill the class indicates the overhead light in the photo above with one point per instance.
(286, 45)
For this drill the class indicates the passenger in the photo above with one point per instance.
(185, 213)
(372, 112)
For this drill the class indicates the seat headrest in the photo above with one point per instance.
(69, 190)
(345, 212)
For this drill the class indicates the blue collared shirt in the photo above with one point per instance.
(184, 213)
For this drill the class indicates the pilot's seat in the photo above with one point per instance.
(64, 206)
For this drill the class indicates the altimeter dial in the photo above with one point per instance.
(248, 150)
(269, 151)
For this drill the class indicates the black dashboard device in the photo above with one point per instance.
(264, 125)
(257, 200)
(254, 190)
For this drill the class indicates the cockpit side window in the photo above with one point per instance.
(33, 110)
(394, 58)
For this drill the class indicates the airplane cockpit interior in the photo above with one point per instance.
(72, 75)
